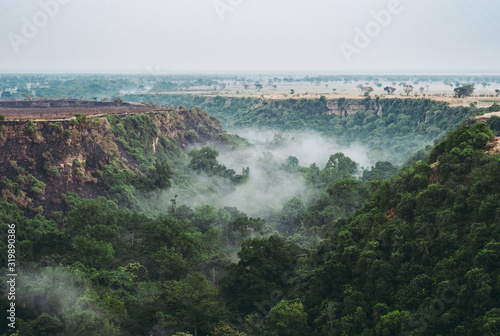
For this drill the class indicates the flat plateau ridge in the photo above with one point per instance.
(44, 110)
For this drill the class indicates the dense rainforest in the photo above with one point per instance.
(371, 250)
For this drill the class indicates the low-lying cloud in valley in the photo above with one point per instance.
(271, 182)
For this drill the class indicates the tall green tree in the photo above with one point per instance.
(195, 304)
(287, 318)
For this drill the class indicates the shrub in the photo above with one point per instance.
(57, 127)
(21, 179)
(39, 187)
(54, 172)
(192, 135)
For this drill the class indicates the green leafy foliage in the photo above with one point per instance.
(66, 134)
(401, 244)
(381, 171)
(195, 303)
(205, 160)
(137, 133)
(252, 280)
(396, 126)
(287, 318)
(384, 254)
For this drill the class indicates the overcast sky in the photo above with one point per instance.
(180, 36)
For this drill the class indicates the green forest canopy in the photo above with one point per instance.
(419, 257)
(394, 129)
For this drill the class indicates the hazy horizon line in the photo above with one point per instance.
(245, 72)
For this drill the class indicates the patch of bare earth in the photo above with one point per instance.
(434, 176)
(484, 118)
(390, 214)
(494, 146)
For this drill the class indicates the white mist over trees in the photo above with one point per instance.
(274, 160)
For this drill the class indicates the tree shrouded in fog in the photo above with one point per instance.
(205, 160)
(338, 166)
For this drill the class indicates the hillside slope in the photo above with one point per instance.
(40, 161)
(422, 255)
(393, 129)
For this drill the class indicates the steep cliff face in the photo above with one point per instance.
(41, 161)
(344, 107)
(188, 126)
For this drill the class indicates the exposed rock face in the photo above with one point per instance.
(188, 126)
(343, 107)
(41, 161)
(67, 160)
